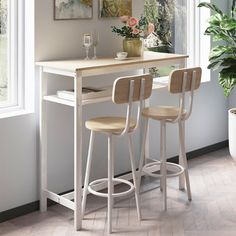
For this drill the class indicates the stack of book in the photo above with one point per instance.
(87, 93)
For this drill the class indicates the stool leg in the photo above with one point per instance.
(163, 162)
(142, 154)
(110, 181)
(161, 156)
(181, 137)
(184, 158)
(133, 167)
(87, 172)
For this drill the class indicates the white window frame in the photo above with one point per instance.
(21, 59)
(198, 44)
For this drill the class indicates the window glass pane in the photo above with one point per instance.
(3, 51)
(180, 26)
(169, 19)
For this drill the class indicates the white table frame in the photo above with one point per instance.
(79, 69)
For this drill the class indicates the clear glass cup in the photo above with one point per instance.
(87, 42)
(95, 40)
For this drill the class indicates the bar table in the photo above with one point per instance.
(79, 70)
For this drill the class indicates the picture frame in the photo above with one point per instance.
(115, 8)
(73, 9)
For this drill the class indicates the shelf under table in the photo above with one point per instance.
(56, 99)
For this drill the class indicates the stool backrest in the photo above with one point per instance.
(182, 81)
(131, 89)
(122, 85)
(177, 79)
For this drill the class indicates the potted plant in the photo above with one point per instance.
(222, 28)
(132, 31)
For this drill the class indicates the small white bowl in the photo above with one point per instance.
(121, 55)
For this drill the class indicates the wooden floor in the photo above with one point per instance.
(212, 211)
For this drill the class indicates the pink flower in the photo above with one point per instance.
(132, 22)
(124, 19)
(151, 28)
(135, 31)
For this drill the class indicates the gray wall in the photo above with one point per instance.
(232, 99)
(18, 139)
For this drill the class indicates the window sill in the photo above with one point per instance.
(15, 112)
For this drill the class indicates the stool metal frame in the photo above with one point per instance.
(180, 82)
(125, 90)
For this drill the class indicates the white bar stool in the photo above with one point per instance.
(180, 82)
(125, 90)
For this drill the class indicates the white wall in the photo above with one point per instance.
(18, 168)
(18, 139)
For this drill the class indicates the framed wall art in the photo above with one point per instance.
(115, 8)
(73, 9)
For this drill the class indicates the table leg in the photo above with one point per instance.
(43, 141)
(147, 143)
(182, 64)
(78, 151)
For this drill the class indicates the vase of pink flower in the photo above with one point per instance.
(133, 31)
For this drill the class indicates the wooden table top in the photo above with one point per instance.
(83, 65)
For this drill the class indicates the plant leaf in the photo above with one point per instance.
(229, 61)
(215, 65)
(216, 19)
(227, 84)
(218, 34)
(227, 79)
(228, 24)
(233, 8)
(211, 6)
(218, 51)
(220, 37)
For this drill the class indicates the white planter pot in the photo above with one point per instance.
(232, 132)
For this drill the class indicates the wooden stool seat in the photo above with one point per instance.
(162, 112)
(109, 124)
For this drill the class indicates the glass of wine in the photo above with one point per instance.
(87, 42)
(95, 43)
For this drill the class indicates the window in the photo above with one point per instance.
(3, 51)
(16, 55)
(180, 26)
(199, 45)
(190, 25)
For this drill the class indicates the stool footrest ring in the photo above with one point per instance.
(155, 166)
(101, 181)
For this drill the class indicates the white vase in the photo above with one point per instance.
(232, 132)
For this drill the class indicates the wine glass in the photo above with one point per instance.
(95, 43)
(87, 42)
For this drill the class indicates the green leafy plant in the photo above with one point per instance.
(222, 28)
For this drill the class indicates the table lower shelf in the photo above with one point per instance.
(56, 99)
